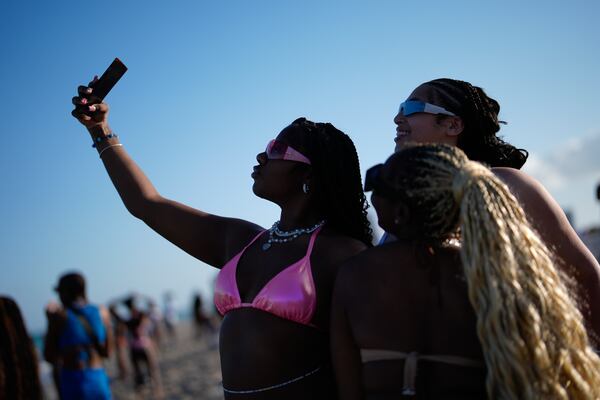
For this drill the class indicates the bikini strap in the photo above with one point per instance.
(253, 240)
(313, 237)
(409, 387)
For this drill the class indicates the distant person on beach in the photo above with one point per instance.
(202, 321)
(275, 284)
(156, 320)
(19, 368)
(79, 336)
(467, 303)
(121, 347)
(170, 315)
(143, 352)
(460, 114)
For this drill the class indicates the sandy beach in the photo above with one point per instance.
(189, 366)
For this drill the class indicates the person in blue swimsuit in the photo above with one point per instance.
(78, 338)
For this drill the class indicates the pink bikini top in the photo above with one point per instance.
(290, 294)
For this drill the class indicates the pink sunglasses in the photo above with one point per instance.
(277, 150)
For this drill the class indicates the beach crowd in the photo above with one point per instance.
(479, 288)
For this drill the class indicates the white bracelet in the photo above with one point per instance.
(108, 147)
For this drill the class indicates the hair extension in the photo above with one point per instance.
(479, 113)
(532, 334)
(337, 185)
(19, 376)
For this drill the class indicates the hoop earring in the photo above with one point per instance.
(305, 188)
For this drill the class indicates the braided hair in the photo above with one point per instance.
(532, 334)
(337, 185)
(479, 113)
(19, 377)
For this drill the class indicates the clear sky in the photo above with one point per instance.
(210, 82)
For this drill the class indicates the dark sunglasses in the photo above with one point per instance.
(375, 183)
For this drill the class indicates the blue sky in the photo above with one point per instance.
(210, 82)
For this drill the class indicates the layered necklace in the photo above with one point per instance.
(276, 235)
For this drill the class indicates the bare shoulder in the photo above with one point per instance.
(349, 274)
(372, 268)
(338, 248)
(521, 184)
(360, 266)
(532, 195)
(550, 221)
(241, 233)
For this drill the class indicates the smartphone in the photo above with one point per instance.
(109, 79)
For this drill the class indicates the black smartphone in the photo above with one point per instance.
(109, 79)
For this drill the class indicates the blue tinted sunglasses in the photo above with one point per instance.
(410, 107)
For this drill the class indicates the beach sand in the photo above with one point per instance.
(189, 366)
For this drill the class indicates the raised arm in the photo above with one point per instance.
(209, 238)
(551, 223)
(56, 319)
(345, 353)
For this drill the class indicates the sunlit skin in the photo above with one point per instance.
(420, 128)
(424, 127)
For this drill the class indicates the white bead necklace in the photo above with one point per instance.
(276, 235)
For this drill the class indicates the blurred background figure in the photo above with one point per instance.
(142, 348)
(79, 336)
(202, 321)
(19, 374)
(155, 322)
(170, 315)
(120, 332)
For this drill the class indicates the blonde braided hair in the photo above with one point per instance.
(531, 331)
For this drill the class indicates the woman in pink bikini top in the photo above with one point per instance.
(275, 285)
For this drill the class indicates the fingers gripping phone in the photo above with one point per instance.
(109, 79)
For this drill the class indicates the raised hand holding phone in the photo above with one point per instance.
(109, 79)
(89, 109)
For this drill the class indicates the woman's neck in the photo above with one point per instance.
(298, 219)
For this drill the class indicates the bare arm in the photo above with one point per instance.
(207, 237)
(551, 223)
(56, 319)
(345, 353)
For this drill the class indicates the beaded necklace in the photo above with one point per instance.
(276, 235)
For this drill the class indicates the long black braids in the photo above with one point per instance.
(19, 376)
(337, 183)
(479, 113)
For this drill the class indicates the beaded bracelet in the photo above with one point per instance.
(100, 139)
